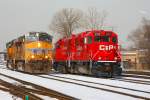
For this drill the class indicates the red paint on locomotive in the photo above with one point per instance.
(97, 47)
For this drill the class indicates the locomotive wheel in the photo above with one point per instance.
(9, 65)
(20, 66)
(72, 68)
(110, 74)
(117, 70)
(27, 68)
(61, 69)
(76, 69)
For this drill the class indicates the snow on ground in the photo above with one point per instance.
(9, 80)
(45, 97)
(2, 66)
(136, 70)
(77, 91)
(18, 83)
(139, 79)
(109, 82)
(137, 75)
(108, 87)
(7, 96)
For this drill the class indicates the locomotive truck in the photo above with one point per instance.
(30, 53)
(93, 52)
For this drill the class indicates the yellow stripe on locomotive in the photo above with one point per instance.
(38, 50)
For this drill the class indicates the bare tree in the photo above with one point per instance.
(66, 21)
(141, 39)
(141, 36)
(94, 19)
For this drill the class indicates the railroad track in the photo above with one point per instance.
(136, 76)
(138, 81)
(18, 90)
(37, 90)
(137, 72)
(100, 86)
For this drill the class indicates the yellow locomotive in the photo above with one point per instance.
(30, 53)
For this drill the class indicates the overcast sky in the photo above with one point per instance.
(20, 16)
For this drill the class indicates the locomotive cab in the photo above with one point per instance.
(39, 51)
(105, 53)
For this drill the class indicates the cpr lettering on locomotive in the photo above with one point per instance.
(106, 47)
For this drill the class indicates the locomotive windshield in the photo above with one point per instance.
(45, 37)
(114, 40)
(32, 36)
(102, 39)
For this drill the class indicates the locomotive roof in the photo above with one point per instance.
(82, 34)
(8, 44)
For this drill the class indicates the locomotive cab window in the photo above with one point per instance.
(114, 40)
(45, 37)
(97, 39)
(105, 38)
(31, 37)
(102, 39)
(88, 40)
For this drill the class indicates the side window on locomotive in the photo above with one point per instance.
(114, 40)
(88, 40)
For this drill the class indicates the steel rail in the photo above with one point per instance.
(18, 91)
(100, 88)
(46, 91)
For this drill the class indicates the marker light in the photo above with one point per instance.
(39, 44)
(115, 58)
(32, 56)
(100, 58)
(46, 57)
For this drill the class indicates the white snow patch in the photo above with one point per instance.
(7, 96)
(77, 91)
(45, 97)
(107, 87)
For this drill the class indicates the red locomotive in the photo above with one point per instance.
(92, 52)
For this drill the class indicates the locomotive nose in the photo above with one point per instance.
(106, 52)
(106, 47)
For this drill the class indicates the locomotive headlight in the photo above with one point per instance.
(115, 58)
(39, 44)
(46, 57)
(32, 56)
(100, 58)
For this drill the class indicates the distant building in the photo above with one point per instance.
(135, 59)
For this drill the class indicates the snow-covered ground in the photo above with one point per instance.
(7, 96)
(18, 83)
(128, 85)
(108, 82)
(137, 70)
(138, 75)
(139, 79)
(77, 91)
